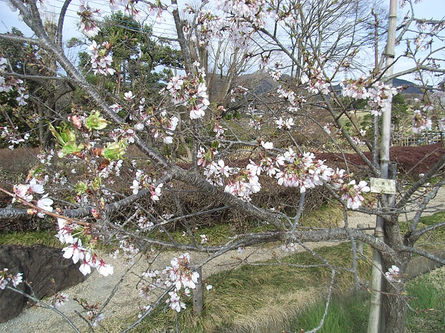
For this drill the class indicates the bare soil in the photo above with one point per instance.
(411, 161)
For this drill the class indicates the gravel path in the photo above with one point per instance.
(126, 300)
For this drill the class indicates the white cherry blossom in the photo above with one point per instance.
(75, 251)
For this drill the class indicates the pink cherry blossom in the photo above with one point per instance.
(101, 59)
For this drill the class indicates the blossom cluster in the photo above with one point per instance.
(6, 278)
(244, 185)
(301, 171)
(393, 274)
(289, 95)
(9, 84)
(251, 11)
(275, 72)
(218, 130)
(178, 275)
(355, 89)
(215, 171)
(209, 26)
(160, 125)
(352, 193)
(305, 172)
(285, 124)
(290, 169)
(127, 250)
(122, 134)
(128, 6)
(245, 181)
(59, 299)
(235, 20)
(144, 224)
(78, 253)
(12, 136)
(317, 83)
(142, 180)
(114, 168)
(378, 94)
(190, 91)
(101, 59)
(27, 191)
(255, 123)
(88, 19)
(421, 121)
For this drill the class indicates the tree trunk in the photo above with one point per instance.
(394, 306)
(394, 302)
(198, 302)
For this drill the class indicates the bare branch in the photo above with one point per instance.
(426, 199)
(414, 236)
(62, 14)
(423, 254)
(402, 202)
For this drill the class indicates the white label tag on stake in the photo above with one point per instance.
(383, 186)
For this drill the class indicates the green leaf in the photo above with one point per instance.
(71, 148)
(56, 134)
(95, 121)
(67, 139)
(115, 150)
(96, 183)
(81, 188)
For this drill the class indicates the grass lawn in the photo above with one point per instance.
(349, 314)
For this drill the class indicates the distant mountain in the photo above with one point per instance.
(261, 82)
(265, 83)
(410, 87)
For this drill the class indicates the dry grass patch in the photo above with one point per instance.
(260, 298)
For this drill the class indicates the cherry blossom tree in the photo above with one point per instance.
(186, 142)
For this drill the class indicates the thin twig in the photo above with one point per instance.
(46, 306)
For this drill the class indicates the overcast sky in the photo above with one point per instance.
(10, 19)
(426, 9)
